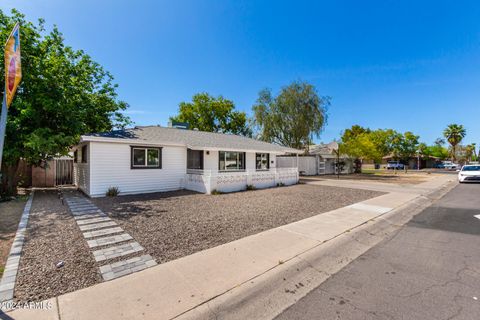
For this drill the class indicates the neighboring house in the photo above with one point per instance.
(413, 162)
(154, 158)
(320, 160)
(327, 157)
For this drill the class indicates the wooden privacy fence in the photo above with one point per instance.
(63, 172)
(55, 172)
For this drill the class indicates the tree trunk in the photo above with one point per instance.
(357, 165)
(9, 180)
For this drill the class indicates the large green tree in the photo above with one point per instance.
(362, 143)
(454, 133)
(405, 146)
(63, 94)
(437, 151)
(207, 113)
(293, 117)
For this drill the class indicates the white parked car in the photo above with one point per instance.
(450, 165)
(395, 165)
(469, 173)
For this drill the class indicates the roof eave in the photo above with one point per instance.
(280, 150)
(127, 141)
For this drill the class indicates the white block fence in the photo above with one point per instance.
(206, 181)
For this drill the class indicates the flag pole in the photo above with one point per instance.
(3, 127)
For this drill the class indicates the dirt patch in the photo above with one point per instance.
(10, 213)
(176, 224)
(52, 235)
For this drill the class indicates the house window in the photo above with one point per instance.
(262, 161)
(231, 161)
(146, 158)
(84, 154)
(194, 159)
(75, 156)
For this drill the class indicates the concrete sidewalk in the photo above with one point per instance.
(182, 286)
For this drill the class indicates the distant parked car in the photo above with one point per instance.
(449, 165)
(395, 165)
(439, 165)
(469, 173)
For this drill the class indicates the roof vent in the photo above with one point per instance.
(178, 125)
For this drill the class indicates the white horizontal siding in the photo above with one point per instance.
(210, 161)
(110, 167)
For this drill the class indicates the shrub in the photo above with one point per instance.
(215, 192)
(250, 187)
(280, 184)
(112, 192)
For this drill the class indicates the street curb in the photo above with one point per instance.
(269, 294)
(7, 284)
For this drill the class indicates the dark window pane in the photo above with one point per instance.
(262, 161)
(84, 154)
(138, 157)
(241, 160)
(194, 159)
(153, 157)
(231, 160)
(221, 160)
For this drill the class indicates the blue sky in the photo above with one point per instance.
(407, 65)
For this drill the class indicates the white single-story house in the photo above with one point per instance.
(153, 159)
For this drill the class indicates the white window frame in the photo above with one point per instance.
(237, 169)
(146, 165)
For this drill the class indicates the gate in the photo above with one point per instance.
(321, 167)
(63, 172)
(306, 165)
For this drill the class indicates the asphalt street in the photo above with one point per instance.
(429, 269)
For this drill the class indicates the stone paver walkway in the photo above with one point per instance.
(117, 251)
(122, 268)
(7, 284)
(107, 239)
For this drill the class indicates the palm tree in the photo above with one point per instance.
(454, 134)
(439, 142)
(469, 150)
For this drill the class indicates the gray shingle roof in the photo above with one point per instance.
(190, 138)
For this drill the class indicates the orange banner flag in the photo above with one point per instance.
(13, 65)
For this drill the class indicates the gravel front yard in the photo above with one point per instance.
(52, 235)
(175, 224)
(385, 177)
(10, 213)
